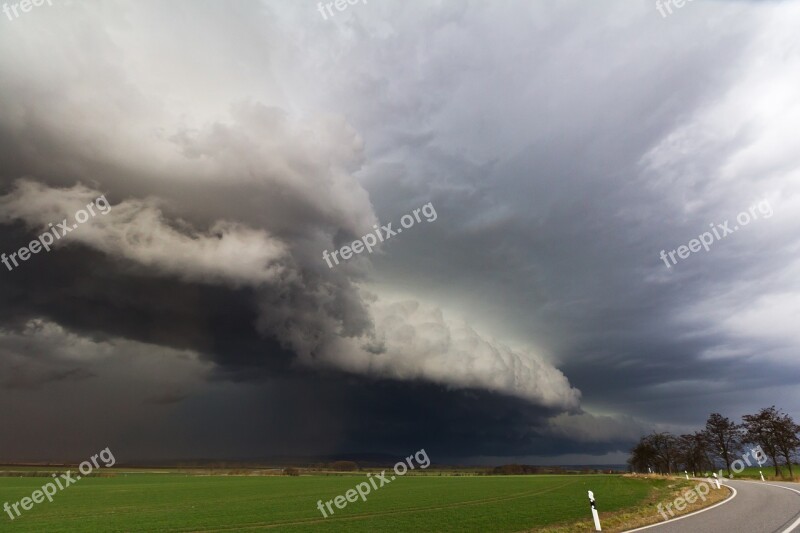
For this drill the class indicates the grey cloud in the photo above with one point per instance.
(167, 398)
(585, 427)
(301, 172)
(560, 158)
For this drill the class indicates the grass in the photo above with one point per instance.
(769, 473)
(172, 502)
(647, 512)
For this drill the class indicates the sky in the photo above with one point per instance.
(555, 153)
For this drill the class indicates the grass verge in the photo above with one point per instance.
(646, 513)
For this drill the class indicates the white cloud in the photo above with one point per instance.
(138, 231)
(413, 341)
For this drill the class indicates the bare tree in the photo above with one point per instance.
(786, 439)
(724, 437)
(773, 430)
(760, 430)
(666, 449)
(693, 452)
(642, 455)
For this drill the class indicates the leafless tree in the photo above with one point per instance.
(724, 436)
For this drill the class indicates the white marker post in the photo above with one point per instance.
(594, 512)
(762, 475)
(687, 474)
(716, 480)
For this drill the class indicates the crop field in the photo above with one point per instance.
(179, 502)
(752, 472)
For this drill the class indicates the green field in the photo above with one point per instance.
(769, 473)
(172, 502)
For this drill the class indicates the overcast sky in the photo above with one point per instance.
(561, 145)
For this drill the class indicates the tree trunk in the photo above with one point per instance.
(775, 462)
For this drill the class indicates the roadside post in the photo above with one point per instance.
(594, 512)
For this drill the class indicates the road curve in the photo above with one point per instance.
(756, 507)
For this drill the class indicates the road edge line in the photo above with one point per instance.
(726, 500)
(794, 524)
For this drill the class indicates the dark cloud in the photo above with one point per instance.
(168, 398)
(533, 318)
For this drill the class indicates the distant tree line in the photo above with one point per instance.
(721, 442)
(517, 470)
(344, 466)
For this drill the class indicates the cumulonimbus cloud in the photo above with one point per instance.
(400, 340)
(247, 199)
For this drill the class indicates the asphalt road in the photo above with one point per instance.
(757, 507)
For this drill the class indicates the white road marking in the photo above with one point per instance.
(692, 514)
(796, 522)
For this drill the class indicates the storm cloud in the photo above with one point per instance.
(564, 146)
